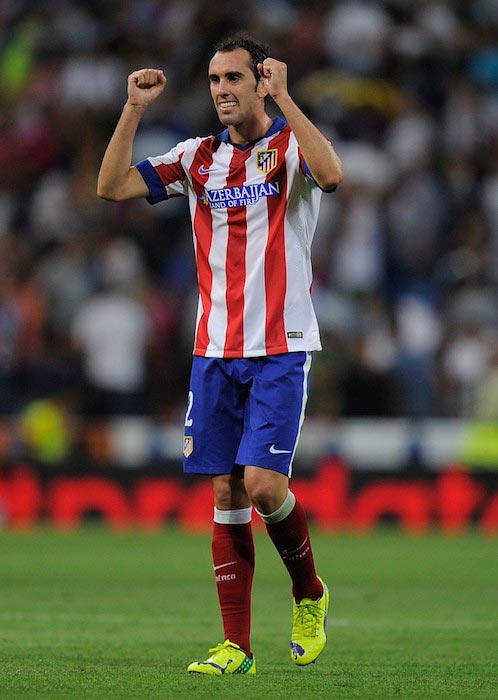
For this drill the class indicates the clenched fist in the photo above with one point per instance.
(145, 85)
(274, 76)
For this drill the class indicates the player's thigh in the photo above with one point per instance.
(275, 412)
(214, 418)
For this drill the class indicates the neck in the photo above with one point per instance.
(245, 133)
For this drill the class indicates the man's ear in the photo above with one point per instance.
(261, 88)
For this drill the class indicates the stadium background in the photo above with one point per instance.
(97, 299)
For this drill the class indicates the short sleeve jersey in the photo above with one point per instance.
(254, 210)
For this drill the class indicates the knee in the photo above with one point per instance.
(229, 493)
(267, 490)
(263, 498)
(223, 495)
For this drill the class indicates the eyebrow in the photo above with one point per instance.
(228, 74)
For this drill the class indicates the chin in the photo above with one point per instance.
(228, 119)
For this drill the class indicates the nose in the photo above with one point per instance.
(222, 87)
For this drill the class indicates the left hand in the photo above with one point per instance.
(274, 77)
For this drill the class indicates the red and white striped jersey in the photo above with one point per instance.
(254, 210)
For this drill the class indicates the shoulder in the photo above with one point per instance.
(184, 151)
(195, 143)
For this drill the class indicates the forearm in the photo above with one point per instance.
(320, 156)
(117, 180)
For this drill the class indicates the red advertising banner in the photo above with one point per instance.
(334, 496)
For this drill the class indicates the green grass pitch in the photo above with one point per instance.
(94, 615)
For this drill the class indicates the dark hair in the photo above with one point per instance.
(257, 50)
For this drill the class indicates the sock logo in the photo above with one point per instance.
(298, 553)
(225, 577)
(221, 566)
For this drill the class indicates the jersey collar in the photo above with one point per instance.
(277, 125)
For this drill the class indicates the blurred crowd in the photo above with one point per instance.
(97, 300)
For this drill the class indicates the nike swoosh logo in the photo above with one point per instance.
(221, 566)
(274, 451)
(205, 171)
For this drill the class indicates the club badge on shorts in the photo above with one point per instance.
(266, 161)
(188, 445)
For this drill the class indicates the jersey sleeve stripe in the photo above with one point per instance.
(153, 181)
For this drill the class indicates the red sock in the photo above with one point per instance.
(292, 539)
(233, 560)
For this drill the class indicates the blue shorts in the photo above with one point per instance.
(245, 411)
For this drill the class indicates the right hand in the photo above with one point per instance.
(145, 85)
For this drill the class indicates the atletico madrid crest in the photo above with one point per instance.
(188, 445)
(266, 161)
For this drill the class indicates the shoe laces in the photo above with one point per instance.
(309, 616)
(227, 644)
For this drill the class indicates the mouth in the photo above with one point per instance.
(227, 105)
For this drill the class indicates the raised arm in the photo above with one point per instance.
(323, 162)
(118, 179)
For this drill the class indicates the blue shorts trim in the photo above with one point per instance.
(245, 411)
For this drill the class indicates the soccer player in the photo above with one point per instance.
(254, 193)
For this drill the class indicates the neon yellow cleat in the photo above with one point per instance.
(309, 628)
(225, 658)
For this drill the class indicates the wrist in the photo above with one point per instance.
(140, 108)
(282, 99)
